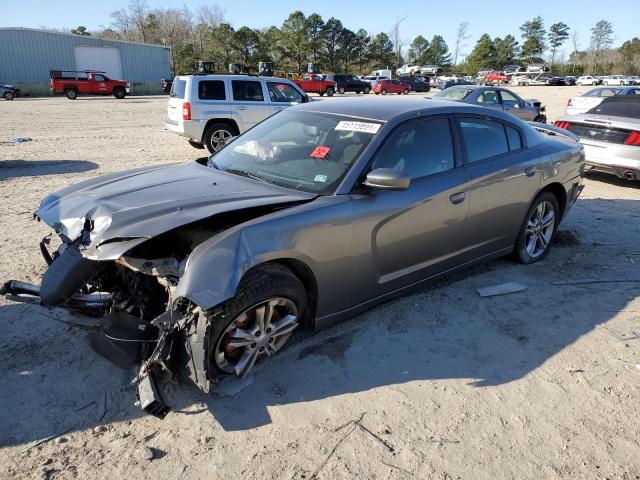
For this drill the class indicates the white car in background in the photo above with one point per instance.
(373, 79)
(618, 80)
(588, 80)
(429, 69)
(210, 109)
(408, 70)
(594, 97)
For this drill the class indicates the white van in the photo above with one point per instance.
(210, 109)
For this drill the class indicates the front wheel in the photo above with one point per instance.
(405, 91)
(71, 94)
(383, 92)
(8, 96)
(538, 230)
(119, 93)
(216, 136)
(269, 305)
(367, 90)
(330, 91)
(341, 90)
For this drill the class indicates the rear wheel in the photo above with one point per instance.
(538, 229)
(119, 93)
(269, 305)
(358, 92)
(71, 94)
(8, 96)
(405, 91)
(383, 92)
(216, 136)
(330, 91)
(341, 90)
(367, 90)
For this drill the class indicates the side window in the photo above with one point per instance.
(483, 138)
(488, 97)
(211, 90)
(98, 78)
(509, 99)
(283, 92)
(515, 142)
(247, 91)
(178, 88)
(635, 92)
(419, 149)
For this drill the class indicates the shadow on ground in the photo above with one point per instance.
(37, 168)
(52, 381)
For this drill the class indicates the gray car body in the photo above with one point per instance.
(358, 246)
(526, 110)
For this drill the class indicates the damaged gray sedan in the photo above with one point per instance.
(202, 269)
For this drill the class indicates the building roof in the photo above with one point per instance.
(49, 32)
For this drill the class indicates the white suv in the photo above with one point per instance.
(210, 109)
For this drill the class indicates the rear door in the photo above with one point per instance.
(249, 104)
(504, 176)
(177, 96)
(209, 98)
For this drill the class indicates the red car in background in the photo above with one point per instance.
(496, 78)
(391, 86)
(316, 83)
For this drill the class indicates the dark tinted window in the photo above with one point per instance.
(515, 142)
(247, 91)
(627, 108)
(177, 88)
(418, 149)
(483, 138)
(211, 90)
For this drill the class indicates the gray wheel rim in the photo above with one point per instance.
(258, 332)
(218, 139)
(540, 229)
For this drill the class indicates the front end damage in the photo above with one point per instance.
(132, 297)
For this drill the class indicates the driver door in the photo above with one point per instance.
(99, 84)
(403, 236)
(282, 95)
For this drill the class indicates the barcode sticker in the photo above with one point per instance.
(358, 127)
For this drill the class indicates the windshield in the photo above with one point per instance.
(453, 93)
(602, 92)
(306, 151)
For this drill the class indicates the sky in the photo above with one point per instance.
(423, 17)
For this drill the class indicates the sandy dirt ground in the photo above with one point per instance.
(440, 384)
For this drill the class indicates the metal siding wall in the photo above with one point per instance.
(26, 56)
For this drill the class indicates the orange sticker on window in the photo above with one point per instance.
(320, 152)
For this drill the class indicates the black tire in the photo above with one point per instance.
(383, 92)
(211, 136)
(341, 90)
(119, 93)
(8, 96)
(367, 90)
(322, 94)
(71, 93)
(521, 253)
(330, 91)
(405, 91)
(262, 283)
(197, 145)
(358, 92)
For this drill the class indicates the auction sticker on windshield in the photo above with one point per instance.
(358, 127)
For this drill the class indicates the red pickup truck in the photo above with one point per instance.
(74, 83)
(314, 83)
(496, 78)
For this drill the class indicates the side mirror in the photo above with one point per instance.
(387, 179)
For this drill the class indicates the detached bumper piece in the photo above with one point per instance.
(151, 398)
(92, 304)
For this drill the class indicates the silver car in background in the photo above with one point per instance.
(497, 98)
(610, 133)
(593, 97)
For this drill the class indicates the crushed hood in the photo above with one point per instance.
(125, 209)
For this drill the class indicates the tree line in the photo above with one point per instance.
(206, 35)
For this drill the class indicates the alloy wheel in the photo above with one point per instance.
(540, 228)
(258, 332)
(219, 138)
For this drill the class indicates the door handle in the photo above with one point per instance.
(457, 198)
(242, 108)
(530, 171)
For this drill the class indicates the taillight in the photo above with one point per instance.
(633, 138)
(186, 111)
(569, 103)
(562, 125)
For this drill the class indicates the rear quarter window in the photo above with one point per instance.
(178, 88)
(483, 139)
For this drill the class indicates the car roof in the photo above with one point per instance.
(388, 109)
(217, 76)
